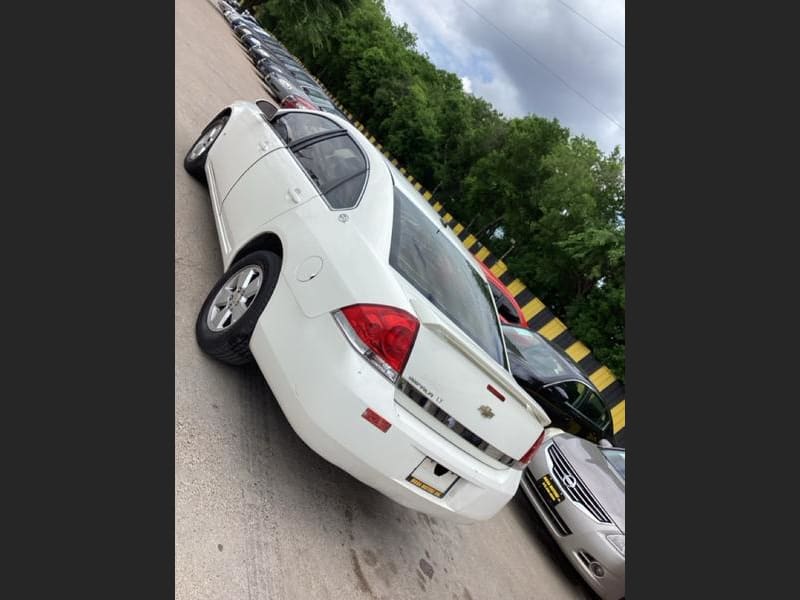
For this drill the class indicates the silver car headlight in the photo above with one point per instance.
(618, 541)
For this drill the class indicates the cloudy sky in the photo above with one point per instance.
(502, 71)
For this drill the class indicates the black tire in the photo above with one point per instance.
(195, 166)
(231, 345)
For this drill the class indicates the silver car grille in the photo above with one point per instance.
(451, 423)
(573, 486)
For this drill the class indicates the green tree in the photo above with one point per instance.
(309, 18)
(574, 250)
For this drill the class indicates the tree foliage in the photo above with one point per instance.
(551, 203)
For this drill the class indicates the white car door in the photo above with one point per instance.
(246, 138)
(274, 184)
(319, 158)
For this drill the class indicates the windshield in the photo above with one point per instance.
(536, 352)
(429, 261)
(616, 458)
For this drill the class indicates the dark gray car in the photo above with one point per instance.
(578, 489)
(242, 29)
(282, 85)
(250, 41)
(266, 66)
(259, 52)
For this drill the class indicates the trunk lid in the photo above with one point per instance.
(455, 374)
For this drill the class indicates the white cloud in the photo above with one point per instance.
(501, 91)
(458, 40)
(466, 83)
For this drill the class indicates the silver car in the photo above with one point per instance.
(578, 489)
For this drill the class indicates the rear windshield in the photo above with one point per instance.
(430, 262)
(538, 354)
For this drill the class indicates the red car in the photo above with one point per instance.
(295, 101)
(507, 307)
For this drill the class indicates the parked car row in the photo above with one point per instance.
(427, 384)
(283, 75)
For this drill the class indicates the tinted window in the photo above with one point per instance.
(338, 168)
(504, 306)
(430, 262)
(582, 398)
(544, 361)
(295, 126)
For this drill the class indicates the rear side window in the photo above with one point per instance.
(337, 167)
(297, 125)
(430, 262)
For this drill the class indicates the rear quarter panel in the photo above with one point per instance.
(353, 246)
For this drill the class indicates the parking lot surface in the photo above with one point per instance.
(257, 513)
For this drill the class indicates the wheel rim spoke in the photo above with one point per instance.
(220, 318)
(205, 141)
(252, 288)
(234, 297)
(244, 279)
(222, 299)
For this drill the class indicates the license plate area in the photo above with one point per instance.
(429, 477)
(549, 491)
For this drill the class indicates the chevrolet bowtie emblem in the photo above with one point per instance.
(486, 411)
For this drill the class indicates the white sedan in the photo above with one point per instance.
(376, 333)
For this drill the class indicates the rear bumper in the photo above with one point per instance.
(323, 386)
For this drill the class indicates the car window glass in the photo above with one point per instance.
(495, 292)
(540, 356)
(583, 399)
(297, 125)
(504, 305)
(338, 168)
(430, 262)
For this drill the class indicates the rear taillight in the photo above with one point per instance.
(292, 101)
(526, 458)
(382, 334)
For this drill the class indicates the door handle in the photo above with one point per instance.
(294, 195)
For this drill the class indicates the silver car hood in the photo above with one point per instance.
(600, 477)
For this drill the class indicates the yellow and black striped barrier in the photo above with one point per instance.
(540, 318)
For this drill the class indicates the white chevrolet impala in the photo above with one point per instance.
(374, 329)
